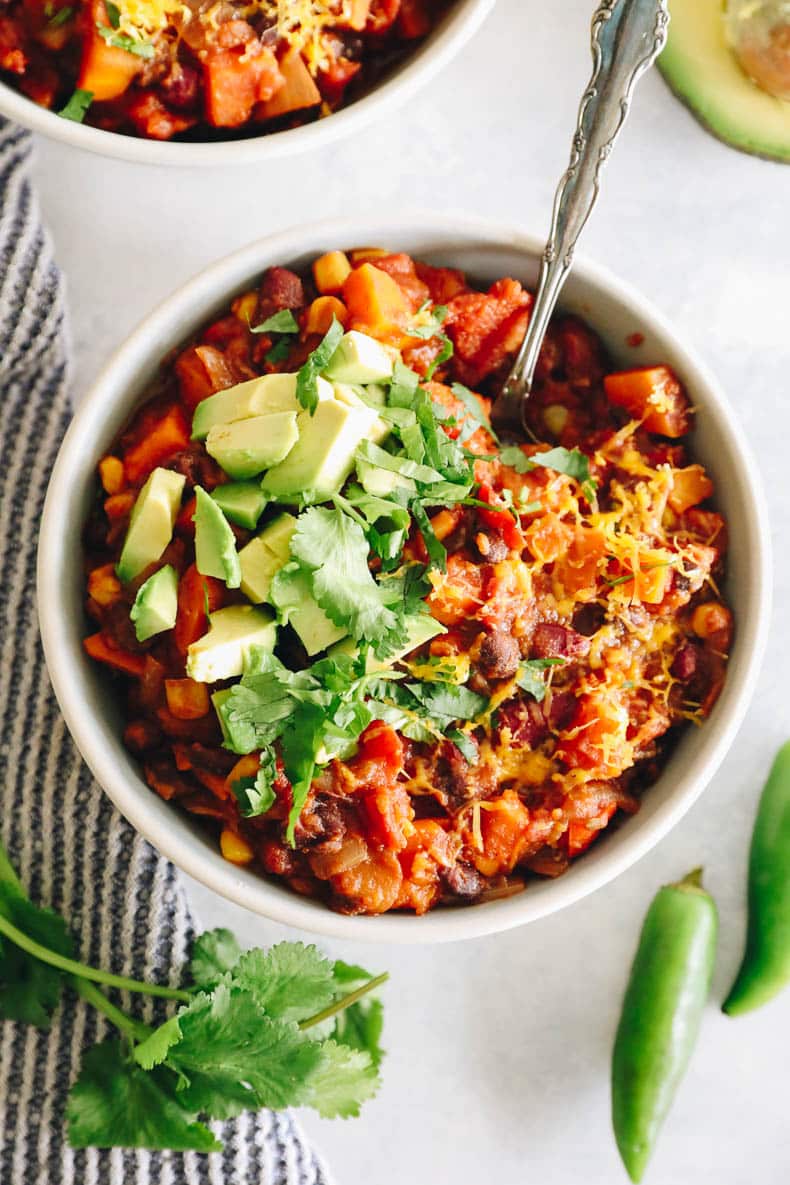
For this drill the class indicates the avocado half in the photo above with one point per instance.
(701, 69)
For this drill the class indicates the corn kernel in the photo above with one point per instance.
(330, 271)
(104, 587)
(111, 474)
(235, 849)
(555, 417)
(245, 307)
(321, 312)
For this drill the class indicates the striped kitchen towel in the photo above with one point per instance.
(70, 846)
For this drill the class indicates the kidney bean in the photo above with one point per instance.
(557, 641)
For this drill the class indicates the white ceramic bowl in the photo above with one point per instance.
(450, 35)
(486, 251)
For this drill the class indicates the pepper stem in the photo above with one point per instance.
(692, 880)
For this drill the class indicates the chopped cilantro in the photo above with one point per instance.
(113, 13)
(141, 49)
(464, 743)
(281, 322)
(437, 552)
(530, 676)
(77, 107)
(279, 351)
(306, 380)
(61, 17)
(256, 796)
(472, 405)
(331, 547)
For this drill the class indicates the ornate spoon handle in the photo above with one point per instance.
(627, 37)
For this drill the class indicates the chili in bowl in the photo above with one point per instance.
(201, 75)
(383, 658)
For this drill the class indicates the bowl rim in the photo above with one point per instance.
(157, 333)
(431, 56)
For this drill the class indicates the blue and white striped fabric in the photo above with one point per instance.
(70, 846)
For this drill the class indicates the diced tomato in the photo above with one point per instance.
(501, 520)
(196, 595)
(597, 739)
(581, 833)
(380, 756)
(487, 328)
(154, 120)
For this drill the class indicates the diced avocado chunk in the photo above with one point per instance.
(359, 359)
(298, 607)
(221, 653)
(263, 557)
(323, 456)
(243, 502)
(277, 535)
(258, 568)
(354, 396)
(215, 543)
(151, 523)
(247, 447)
(382, 483)
(156, 604)
(257, 397)
(704, 73)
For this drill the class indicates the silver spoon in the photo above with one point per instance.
(627, 37)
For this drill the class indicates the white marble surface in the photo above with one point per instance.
(499, 1048)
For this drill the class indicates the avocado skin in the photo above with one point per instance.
(701, 70)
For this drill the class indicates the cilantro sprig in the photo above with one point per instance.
(277, 1028)
(77, 107)
(572, 462)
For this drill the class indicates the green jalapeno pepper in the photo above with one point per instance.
(662, 1011)
(765, 969)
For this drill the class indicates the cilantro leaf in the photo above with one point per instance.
(155, 1048)
(465, 745)
(213, 954)
(447, 701)
(232, 1057)
(306, 384)
(474, 408)
(360, 1025)
(301, 741)
(571, 462)
(290, 981)
(141, 49)
(77, 107)
(279, 351)
(403, 386)
(113, 13)
(530, 676)
(281, 322)
(334, 550)
(256, 796)
(61, 17)
(344, 1079)
(437, 552)
(114, 1103)
(29, 989)
(375, 455)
